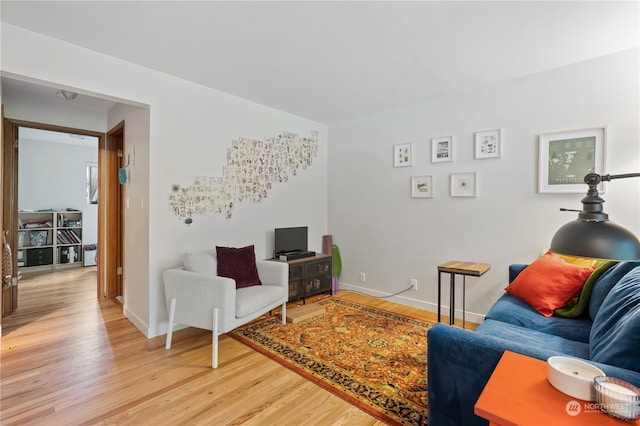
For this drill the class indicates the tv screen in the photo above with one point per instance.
(288, 240)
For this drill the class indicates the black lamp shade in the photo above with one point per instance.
(600, 240)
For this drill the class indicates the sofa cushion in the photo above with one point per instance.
(511, 310)
(549, 283)
(615, 335)
(238, 264)
(201, 262)
(254, 298)
(534, 338)
(606, 283)
(579, 305)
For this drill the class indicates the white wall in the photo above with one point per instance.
(137, 292)
(190, 128)
(54, 176)
(391, 237)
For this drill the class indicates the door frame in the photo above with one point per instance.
(112, 218)
(110, 214)
(9, 210)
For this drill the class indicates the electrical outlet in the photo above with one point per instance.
(363, 277)
(414, 284)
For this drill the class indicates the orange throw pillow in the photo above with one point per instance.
(549, 283)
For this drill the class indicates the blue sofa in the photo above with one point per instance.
(460, 361)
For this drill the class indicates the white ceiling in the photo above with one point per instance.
(335, 60)
(13, 88)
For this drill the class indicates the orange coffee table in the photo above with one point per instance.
(518, 394)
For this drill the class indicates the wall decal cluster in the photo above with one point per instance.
(252, 167)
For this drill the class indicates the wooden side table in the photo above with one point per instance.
(453, 268)
(518, 393)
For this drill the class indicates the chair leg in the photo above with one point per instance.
(214, 340)
(284, 313)
(172, 314)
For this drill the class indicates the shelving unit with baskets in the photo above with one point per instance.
(49, 240)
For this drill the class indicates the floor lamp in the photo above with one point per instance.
(593, 234)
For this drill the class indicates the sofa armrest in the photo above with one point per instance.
(515, 269)
(459, 364)
(273, 272)
(197, 294)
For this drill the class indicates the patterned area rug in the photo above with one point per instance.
(376, 360)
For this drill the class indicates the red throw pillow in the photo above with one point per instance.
(549, 283)
(239, 264)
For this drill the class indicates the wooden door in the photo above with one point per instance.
(110, 229)
(10, 212)
(2, 267)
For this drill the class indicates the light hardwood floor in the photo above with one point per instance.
(69, 359)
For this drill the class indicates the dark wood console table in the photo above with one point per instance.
(309, 276)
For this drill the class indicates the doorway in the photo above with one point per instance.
(109, 206)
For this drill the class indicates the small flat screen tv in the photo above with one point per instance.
(290, 240)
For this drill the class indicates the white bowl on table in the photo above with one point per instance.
(573, 377)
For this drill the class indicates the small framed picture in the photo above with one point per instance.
(488, 144)
(402, 155)
(422, 187)
(441, 149)
(463, 184)
(566, 157)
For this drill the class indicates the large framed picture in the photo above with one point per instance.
(441, 149)
(422, 187)
(463, 185)
(402, 155)
(566, 157)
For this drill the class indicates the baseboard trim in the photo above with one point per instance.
(138, 322)
(412, 302)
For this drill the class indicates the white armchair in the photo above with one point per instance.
(196, 297)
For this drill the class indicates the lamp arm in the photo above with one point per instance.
(592, 203)
(621, 176)
(593, 179)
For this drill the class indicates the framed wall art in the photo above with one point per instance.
(488, 144)
(566, 157)
(422, 187)
(402, 155)
(441, 149)
(463, 185)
